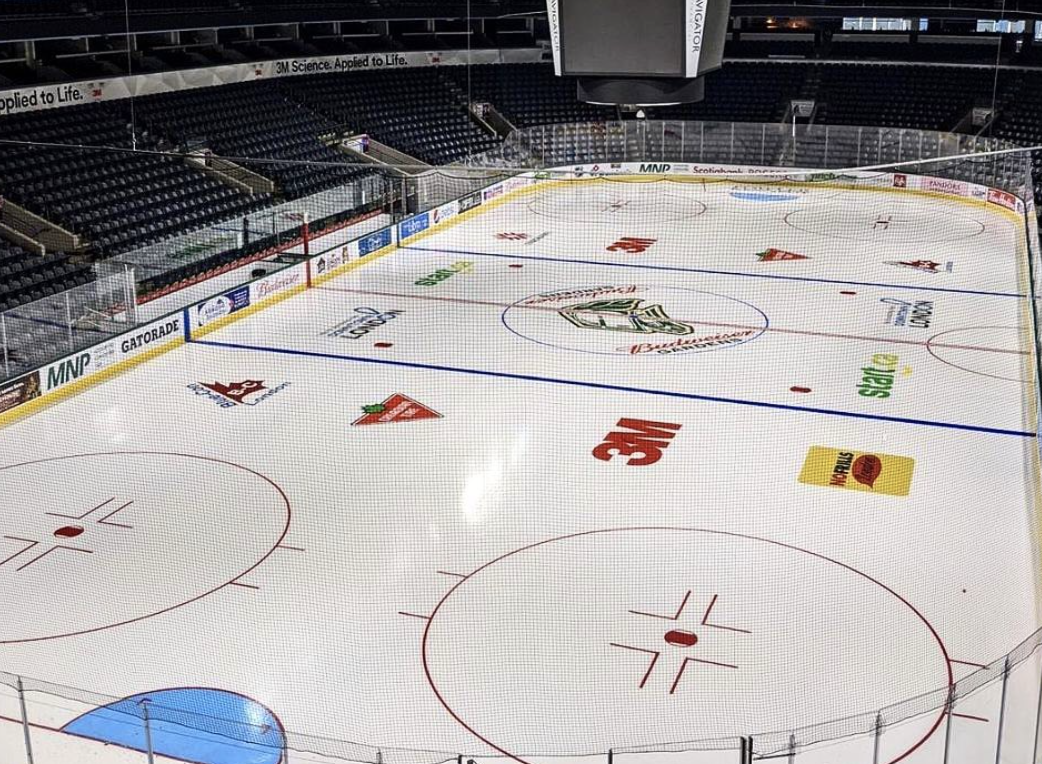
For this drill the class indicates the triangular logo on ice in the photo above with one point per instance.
(397, 408)
(773, 255)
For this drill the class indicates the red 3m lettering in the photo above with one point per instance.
(642, 441)
(631, 244)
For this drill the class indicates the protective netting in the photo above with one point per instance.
(826, 372)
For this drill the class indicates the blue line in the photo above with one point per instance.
(616, 388)
(714, 273)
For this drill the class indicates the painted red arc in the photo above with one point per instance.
(432, 618)
(277, 543)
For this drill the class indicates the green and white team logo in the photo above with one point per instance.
(630, 315)
(634, 320)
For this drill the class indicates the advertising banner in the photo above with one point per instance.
(17, 101)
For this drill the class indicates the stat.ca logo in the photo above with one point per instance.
(250, 392)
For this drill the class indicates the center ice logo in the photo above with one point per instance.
(624, 316)
(636, 320)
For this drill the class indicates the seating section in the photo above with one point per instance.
(1020, 121)
(416, 111)
(254, 120)
(25, 277)
(115, 199)
(926, 98)
(743, 92)
(526, 94)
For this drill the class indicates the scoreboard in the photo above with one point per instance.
(646, 52)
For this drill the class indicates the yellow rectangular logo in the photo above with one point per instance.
(858, 470)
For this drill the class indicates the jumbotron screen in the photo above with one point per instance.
(622, 37)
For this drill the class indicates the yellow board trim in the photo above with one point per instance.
(74, 388)
(54, 397)
(538, 186)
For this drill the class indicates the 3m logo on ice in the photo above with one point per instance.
(631, 244)
(251, 392)
(642, 441)
(857, 471)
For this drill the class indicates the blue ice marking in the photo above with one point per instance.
(762, 196)
(195, 724)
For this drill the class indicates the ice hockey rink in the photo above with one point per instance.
(599, 465)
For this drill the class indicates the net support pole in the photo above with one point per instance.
(1038, 720)
(130, 295)
(25, 721)
(1002, 711)
(148, 730)
(791, 758)
(611, 756)
(745, 750)
(877, 738)
(948, 724)
(3, 344)
(68, 320)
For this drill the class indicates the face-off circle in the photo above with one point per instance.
(882, 217)
(616, 202)
(641, 320)
(640, 636)
(92, 541)
(998, 352)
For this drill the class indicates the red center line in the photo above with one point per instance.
(714, 324)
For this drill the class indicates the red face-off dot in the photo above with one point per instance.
(382, 344)
(848, 292)
(681, 638)
(516, 265)
(68, 531)
(799, 389)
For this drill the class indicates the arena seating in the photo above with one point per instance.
(743, 92)
(277, 129)
(25, 277)
(527, 94)
(419, 112)
(932, 98)
(117, 200)
(1020, 121)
